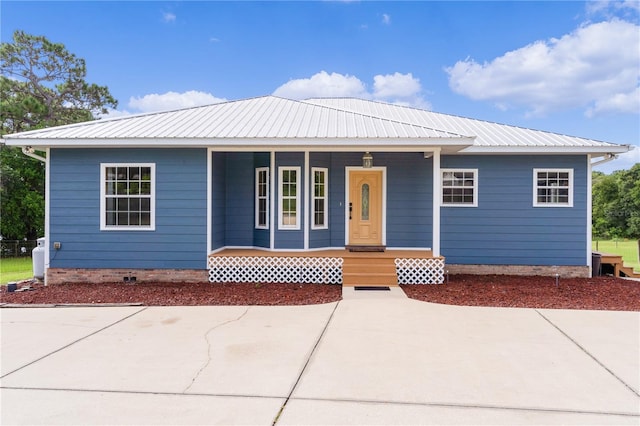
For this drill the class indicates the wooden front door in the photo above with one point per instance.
(365, 208)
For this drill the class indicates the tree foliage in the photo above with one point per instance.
(41, 85)
(616, 204)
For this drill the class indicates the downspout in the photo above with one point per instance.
(30, 152)
(606, 159)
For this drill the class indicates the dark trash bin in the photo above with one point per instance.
(596, 264)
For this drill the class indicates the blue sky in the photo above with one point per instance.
(568, 67)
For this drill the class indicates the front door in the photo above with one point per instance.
(365, 208)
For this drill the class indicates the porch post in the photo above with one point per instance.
(272, 202)
(589, 215)
(435, 247)
(306, 206)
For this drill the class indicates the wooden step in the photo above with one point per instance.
(628, 271)
(619, 269)
(369, 271)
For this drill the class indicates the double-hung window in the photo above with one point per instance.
(553, 187)
(289, 198)
(319, 191)
(262, 198)
(460, 187)
(127, 196)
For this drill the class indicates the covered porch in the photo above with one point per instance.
(330, 266)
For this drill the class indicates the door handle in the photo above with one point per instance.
(350, 210)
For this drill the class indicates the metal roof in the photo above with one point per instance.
(329, 123)
(266, 117)
(489, 137)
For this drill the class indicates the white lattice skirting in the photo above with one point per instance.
(420, 271)
(274, 269)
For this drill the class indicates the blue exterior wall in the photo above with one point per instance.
(409, 197)
(218, 200)
(505, 228)
(320, 238)
(290, 238)
(179, 240)
(239, 201)
(261, 237)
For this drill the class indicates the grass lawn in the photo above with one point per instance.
(627, 249)
(15, 269)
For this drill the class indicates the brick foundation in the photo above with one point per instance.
(564, 271)
(97, 276)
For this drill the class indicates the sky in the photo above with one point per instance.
(568, 67)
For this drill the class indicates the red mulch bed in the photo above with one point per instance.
(177, 294)
(602, 293)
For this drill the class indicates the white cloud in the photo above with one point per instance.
(609, 8)
(172, 100)
(395, 85)
(322, 84)
(168, 17)
(594, 68)
(403, 89)
(386, 19)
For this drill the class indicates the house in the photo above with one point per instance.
(272, 189)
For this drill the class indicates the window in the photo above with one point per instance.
(553, 187)
(127, 197)
(289, 214)
(262, 198)
(320, 203)
(460, 187)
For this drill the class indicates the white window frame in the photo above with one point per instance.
(570, 187)
(104, 196)
(325, 211)
(475, 187)
(281, 198)
(258, 225)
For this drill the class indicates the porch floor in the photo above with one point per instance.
(337, 266)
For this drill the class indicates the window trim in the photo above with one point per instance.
(281, 226)
(537, 203)
(325, 171)
(266, 198)
(103, 199)
(475, 187)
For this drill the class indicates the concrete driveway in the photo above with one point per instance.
(361, 361)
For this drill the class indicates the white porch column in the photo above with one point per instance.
(435, 247)
(589, 215)
(272, 202)
(307, 207)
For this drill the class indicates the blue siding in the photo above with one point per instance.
(218, 199)
(288, 238)
(240, 199)
(409, 197)
(179, 240)
(320, 238)
(505, 228)
(261, 237)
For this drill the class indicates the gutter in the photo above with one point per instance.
(30, 152)
(606, 159)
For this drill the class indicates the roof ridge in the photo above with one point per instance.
(305, 101)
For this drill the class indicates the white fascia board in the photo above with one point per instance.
(292, 144)
(542, 150)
